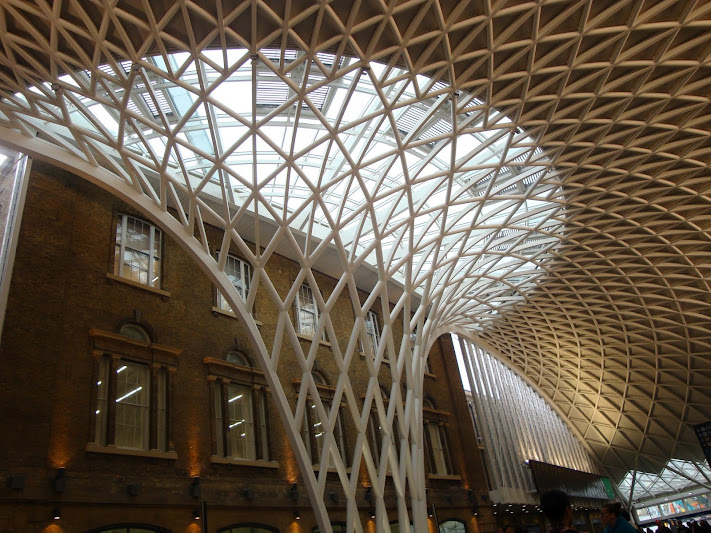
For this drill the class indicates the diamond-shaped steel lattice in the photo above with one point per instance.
(532, 173)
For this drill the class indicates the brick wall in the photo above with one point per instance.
(60, 291)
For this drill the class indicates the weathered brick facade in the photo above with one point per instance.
(62, 290)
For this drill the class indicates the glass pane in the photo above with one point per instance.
(238, 272)
(132, 402)
(136, 240)
(452, 526)
(133, 331)
(437, 450)
(135, 266)
(237, 358)
(162, 409)
(101, 401)
(307, 311)
(240, 425)
(137, 235)
(307, 322)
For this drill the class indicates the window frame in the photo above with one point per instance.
(224, 374)
(375, 439)
(245, 272)
(458, 521)
(372, 331)
(435, 428)
(305, 297)
(326, 394)
(133, 407)
(154, 252)
(111, 352)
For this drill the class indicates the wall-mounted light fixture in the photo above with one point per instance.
(195, 490)
(56, 514)
(196, 514)
(293, 492)
(297, 515)
(369, 494)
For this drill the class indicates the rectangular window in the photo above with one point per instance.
(239, 273)
(372, 329)
(124, 409)
(437, 449)
(237, 407)
(240, 427)
(314, 434)
(132, 408)
(137, 254)
(375, 434)
(413, 340)
(306, 311)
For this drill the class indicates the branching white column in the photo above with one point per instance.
(431, 200)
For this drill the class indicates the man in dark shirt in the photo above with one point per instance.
(555, 504)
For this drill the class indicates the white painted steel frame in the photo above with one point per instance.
(608, 97)
(516, 425)
(156, 149)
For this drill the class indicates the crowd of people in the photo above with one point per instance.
(555, 504)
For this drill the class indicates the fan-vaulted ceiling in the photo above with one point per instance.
(609, 100)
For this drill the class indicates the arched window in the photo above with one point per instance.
(130, 528)
(248, 528)
(135, 332)
(238, 358)
(239, 405)
(452, 526)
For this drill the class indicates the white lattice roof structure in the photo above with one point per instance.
(534, 175)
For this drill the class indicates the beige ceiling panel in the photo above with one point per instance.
(614, 95)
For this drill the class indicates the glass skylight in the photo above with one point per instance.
(393, 163)
(679, 475)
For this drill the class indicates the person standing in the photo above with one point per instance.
(611, 515)
(556, 506)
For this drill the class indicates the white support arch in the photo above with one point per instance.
(536, 174)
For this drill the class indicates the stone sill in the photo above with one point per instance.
(384, 361)
(115, 450)
(311, 339)
(217, 311)
(130, 283)
(445, 477)
(243, 462)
